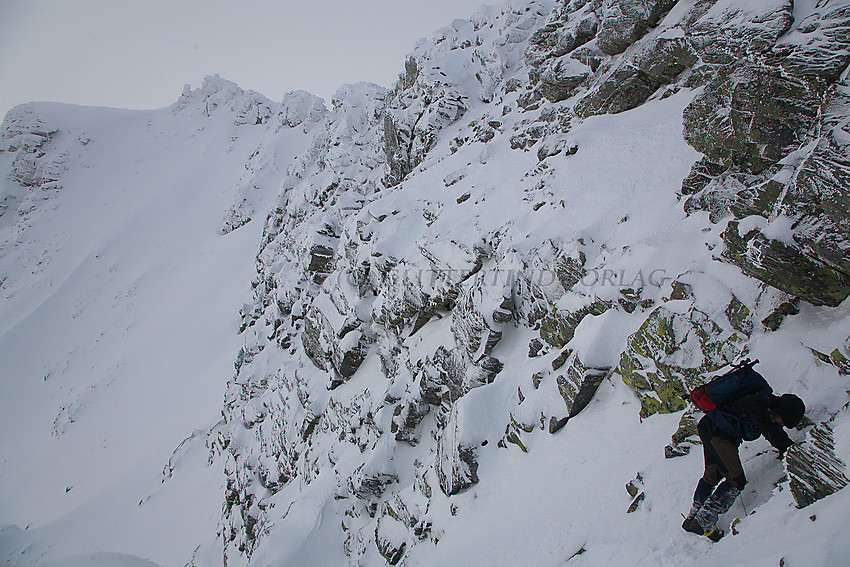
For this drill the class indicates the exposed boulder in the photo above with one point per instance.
(664, 359)
(558, 327)
(784, 266)
(750, 116)
(634, 80)
(625, 21)
(578, 384)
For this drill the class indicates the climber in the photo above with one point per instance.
(722, 430)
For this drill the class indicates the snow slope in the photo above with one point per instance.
(119, 324)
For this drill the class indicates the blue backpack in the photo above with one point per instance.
(738, 383)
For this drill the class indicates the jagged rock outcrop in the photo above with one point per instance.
(249, 107)
(775, 150)
(296, 117)
(750, 116)
(557, 74)
(813, 469)
(578, 384)
(38, 165)
(390, 298)
(624, 22)
(725, 32)
(658, 366)
(632, 82)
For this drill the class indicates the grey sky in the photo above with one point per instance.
(140, 54)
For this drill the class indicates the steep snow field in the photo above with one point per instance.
(118, 326)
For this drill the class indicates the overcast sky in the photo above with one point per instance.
(139, 54)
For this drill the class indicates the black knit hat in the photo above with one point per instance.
(790, 408)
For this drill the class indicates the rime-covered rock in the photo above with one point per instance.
(724, 31)
(386, 294)
(26, 134)
(578, 384)
(820, 46)
(813, 469)
(456, 464)
(249, 107)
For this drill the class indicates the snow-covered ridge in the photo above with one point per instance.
(476, 299)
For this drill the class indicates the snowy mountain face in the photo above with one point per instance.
(475, 301)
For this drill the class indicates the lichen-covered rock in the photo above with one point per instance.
(685, 436)
(751, 116)
(665, 357)
(784, 267)
(558, 328)
(338, 278)
(636, 503)
(841, 362)
(814, 470)
(772, 321)
(807, 194)
(625, 21)
(635, 488)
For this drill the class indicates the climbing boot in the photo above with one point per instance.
(691, 525)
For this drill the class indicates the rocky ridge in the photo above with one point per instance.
(380, 319)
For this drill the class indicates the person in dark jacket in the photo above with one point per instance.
(745, 419)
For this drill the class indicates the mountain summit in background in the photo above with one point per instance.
(462, 311)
